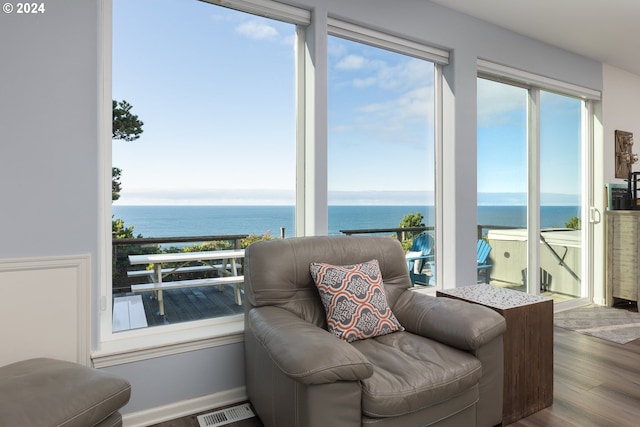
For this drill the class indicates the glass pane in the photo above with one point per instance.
(502, 183)
(560, 198)
(381, 145)
(215, 89)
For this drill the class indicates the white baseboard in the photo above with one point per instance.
(183, 408)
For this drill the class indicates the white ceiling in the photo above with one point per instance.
(607, 31)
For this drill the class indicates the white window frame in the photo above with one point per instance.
(347, 30)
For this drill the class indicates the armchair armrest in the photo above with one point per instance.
(303, 351)
(457, 323)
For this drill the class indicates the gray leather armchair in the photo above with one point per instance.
(445, 369)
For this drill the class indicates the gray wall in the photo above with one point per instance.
(165, 380)
(49, 156)
(48, 130)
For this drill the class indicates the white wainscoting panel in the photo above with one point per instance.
(44, 307)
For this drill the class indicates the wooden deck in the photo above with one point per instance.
(184, 305)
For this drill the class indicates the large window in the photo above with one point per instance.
(381, 154)
(214, 167)
(231, 150)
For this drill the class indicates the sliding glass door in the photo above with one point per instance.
(531, 152)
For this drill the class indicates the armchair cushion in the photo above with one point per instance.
(355, 300)
(411, 373)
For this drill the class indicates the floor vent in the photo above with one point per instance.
(226, 416)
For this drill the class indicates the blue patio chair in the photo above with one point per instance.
(482, 256)
(421, 260)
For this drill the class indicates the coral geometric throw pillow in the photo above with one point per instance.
(354, 299)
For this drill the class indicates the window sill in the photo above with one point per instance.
(132, 346)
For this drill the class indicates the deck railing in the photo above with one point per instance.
(401, 232)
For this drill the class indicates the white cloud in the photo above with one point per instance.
(257, 30)
(366, 82)
(408, 84)
(404, 75)
(335, 49)
(195, 196)
(351, 62)
(416, 103)
(496, 102)
(412, 105)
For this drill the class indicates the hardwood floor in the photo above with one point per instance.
(596, 384)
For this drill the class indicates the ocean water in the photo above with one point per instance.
(178, 221)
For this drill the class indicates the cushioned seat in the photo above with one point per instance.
(47, 392)
(411, 373)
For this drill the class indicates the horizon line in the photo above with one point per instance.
(331, 204)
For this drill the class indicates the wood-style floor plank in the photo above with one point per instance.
(596, 384)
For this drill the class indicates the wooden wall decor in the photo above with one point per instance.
(624, 157)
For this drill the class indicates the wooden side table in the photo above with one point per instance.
(528, 346)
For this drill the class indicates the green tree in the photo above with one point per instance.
(120, 231)
(256, 238)
(410, 220)
(574, 223)
(119, 257)
(115, 183)
(126, 126)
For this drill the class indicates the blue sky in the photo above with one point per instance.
(215, 90)
(502, 149)
(380, 126)
(213, 133)
(216, 131)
